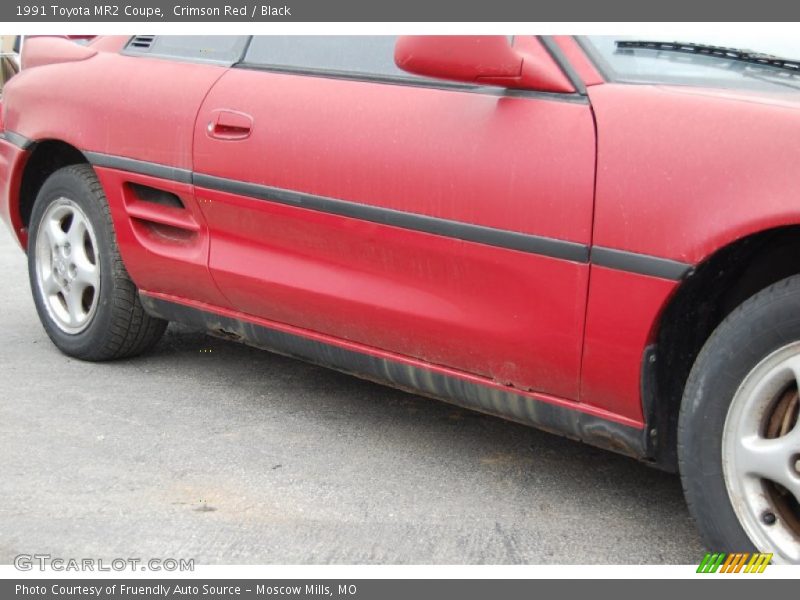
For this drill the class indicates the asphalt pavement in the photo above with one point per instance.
(210, 450)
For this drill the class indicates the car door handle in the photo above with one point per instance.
(230, 125)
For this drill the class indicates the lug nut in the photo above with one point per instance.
(797, 466)
(769, 518)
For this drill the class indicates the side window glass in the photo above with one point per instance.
(8, 68)
(348, 54)
(219, 49)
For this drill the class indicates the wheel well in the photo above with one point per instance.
(47, 157)
(716, 287)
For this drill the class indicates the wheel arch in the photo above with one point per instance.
(46, 157)
(713, 289)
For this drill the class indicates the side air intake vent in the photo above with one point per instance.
(141, 42)
(155, 196)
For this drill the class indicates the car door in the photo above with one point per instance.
(438, 221)
(133, 116)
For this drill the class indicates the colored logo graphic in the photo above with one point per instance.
(743, 562)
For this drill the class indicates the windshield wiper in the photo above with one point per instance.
(735, 54)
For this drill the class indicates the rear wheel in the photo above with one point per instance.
(739, 439)
(86, 301)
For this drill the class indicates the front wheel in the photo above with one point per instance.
(86, 301)
(738, 436)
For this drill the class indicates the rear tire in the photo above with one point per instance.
(85, 298)
(738, 437)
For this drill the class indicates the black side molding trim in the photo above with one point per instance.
(139, 166)
(639, 263)
(385, 216)
(419, 380)
(20, 141)
(512, 240)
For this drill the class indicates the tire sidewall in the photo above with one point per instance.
(764, 324)
(68, 183)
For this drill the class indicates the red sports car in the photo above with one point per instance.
(594, 236)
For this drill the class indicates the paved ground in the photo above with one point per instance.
(239, 456)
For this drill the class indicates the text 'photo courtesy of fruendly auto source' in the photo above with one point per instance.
(409, 301)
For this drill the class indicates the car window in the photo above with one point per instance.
(8, 68)
(358, 54)
(221, 49)
(645, 65)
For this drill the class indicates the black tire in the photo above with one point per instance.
(766, 323)
(119, 327)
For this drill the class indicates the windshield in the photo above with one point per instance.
(639, 65)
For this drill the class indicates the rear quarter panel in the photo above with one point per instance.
(133, 107)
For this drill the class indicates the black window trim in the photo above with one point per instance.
(127, 51)
(606, 71)
(579, 96)
(563, 63)
(414, 82)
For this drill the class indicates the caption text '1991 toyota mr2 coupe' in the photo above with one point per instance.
(596, 236)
